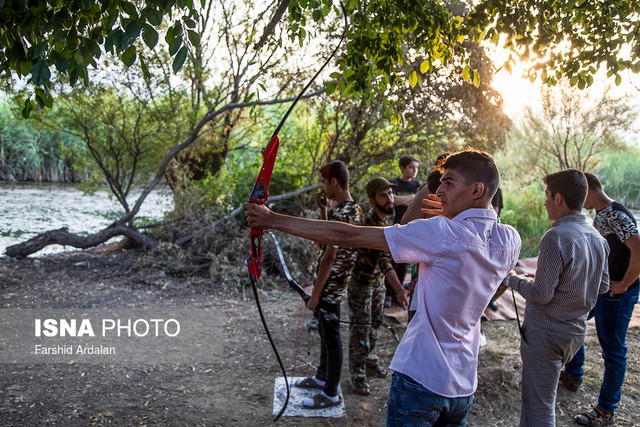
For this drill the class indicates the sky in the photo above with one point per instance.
(518, 92)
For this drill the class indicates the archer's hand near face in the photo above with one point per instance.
(257, 215)
(432, 205)
(322, 200)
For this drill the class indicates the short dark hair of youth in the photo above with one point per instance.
(441, 158)
(593, 181)
(338, 170)
(433, 180)
(475, 166)
(571, 184)
(406, 160)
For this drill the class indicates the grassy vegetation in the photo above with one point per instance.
(524, 210)
(28, 153)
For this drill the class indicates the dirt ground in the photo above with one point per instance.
(236, 390)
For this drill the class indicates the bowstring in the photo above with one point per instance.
(254, 282)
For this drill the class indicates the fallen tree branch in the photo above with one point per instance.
(62, 236)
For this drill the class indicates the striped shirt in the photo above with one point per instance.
(572, 270)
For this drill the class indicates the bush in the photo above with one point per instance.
(524, 210)
(620, 175)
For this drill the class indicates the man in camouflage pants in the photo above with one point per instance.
(367, 292)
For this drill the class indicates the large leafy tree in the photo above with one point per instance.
(569, 39)
(563, 39)
(71, 36)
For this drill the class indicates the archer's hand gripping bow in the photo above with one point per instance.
(259, 195)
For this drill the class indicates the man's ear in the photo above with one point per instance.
(478, 190)
(558, 199)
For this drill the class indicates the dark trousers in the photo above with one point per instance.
(613, 315)
(330, 350)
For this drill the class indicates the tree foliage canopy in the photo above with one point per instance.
(573, 130)
(391, 42)
(72, 35)
(388, 42)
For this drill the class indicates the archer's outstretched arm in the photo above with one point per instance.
(328, 232)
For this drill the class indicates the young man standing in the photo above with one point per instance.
(366, 292)
(613, 309)
(464, 254)
(406, 186)
(572, 271)
(332, 279)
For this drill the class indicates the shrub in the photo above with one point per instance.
(524, 210)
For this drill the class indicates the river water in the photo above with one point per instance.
(27, 209)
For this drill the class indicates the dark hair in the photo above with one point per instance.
(593, 181)
(571, 184)
(441, 158)
(433, 180)
(338, 170)
(406, 160)
(475, 166)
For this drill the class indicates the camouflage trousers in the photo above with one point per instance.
(366, 305)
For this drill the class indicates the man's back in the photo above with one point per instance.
(336, 285)
(571, 273)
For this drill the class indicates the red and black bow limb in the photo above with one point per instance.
(260, 195)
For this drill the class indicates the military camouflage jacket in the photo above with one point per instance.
(372, 264)
(338, 280)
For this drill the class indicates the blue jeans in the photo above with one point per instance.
(613, 315)
(411, 404)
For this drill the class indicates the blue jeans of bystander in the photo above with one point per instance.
(613, 315)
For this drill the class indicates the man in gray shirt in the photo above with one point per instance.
(572, 271)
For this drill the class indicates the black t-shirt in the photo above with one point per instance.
(403, 188)
(616, 224)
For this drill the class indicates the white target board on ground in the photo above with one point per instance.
(298, 395)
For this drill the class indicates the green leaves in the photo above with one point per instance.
(178, 61)
(571, 39)
(40, 73)
(129, 56)
(150, 36)
(71, 37)
(154, 16)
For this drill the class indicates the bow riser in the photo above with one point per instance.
(260, 192)
(259, 195)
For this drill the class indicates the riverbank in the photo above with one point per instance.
(28, 209)
(237, 388)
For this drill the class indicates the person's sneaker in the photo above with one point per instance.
(321, 401)
(595, 417)
(569, 382)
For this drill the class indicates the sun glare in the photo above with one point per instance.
(519, 93)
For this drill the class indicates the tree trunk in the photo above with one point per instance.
(63, 237)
